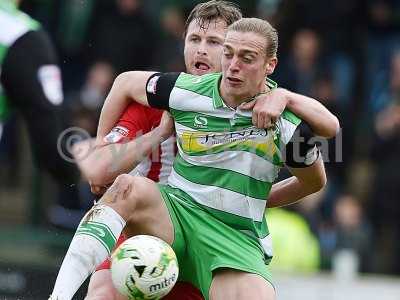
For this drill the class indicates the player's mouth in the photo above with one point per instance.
(233, 81)
(202, 67)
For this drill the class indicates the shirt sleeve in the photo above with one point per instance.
(158, 89)
(31, 63)
(135, 121)
(301, 151)
(32, 81)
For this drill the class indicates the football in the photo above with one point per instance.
(144, 268)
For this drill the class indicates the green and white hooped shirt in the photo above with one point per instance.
(224, 163)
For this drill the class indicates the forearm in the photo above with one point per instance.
(305, 182)
(321, 120)
(109, 161)
(286, 192)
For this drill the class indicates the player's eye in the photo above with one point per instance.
(247, 60)
(194, 39)
(214, 42)
(228, 54)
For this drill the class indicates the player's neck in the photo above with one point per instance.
(234, 100)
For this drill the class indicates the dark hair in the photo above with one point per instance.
(206, 12)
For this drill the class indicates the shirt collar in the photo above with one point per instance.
(218, 102)
(270, 83)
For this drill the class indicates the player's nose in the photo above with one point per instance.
(234, 65)
(202, 49)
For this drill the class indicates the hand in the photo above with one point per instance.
(267, 107)
(166, 126)
(82, 149)
(97, 189)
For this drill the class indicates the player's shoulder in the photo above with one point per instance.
(203, 85)
(17, 19)
(190, 81)
(287, 114)
(137, 111)
(135, 107)
(287, 125)
(16, 22)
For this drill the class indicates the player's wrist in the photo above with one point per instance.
(289, 96)
(161, 133)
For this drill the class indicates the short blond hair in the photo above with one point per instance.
(262, 28)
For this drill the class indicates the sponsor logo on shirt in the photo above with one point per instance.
(152, 85)
(117, 135)
(200, 122)
(253, 139)
(232, 137)
(122, 130)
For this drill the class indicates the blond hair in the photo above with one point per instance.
(262, 28)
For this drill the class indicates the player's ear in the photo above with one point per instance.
(270, 65)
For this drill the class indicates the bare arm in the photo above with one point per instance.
(305, 181)
(127, 87)
(108, 161)
(268, 107)
(321, 120)
(305, 162)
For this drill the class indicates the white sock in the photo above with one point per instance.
(93, 241)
